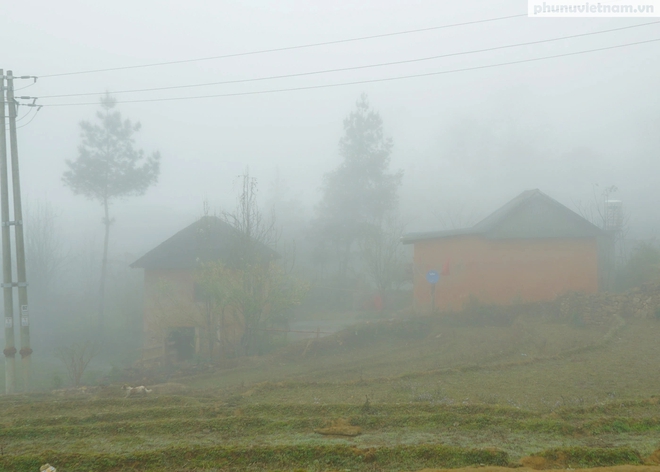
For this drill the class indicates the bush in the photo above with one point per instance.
(57, 382)
(76, 358)
(643, 267)
(475, 313)
(577, 320)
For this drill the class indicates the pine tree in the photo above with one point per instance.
(360, 192)
(109, 167)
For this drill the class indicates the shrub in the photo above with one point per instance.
(642, 267)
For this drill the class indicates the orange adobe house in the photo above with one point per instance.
(178, 324)
(531, 249)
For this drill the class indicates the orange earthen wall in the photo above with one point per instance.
(166, 294)
(169, 302)
(503, 271)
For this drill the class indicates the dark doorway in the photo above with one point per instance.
(181, 343)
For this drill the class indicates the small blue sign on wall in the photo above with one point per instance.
(433, 277)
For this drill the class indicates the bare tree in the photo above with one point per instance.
(253, 227)
(255, 233)
(614, 254)
(44, 247)
(265, 292)
(382, 253)
(290, 217)
(76, 358)
(594, 210)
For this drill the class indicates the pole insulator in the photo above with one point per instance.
(24, 352)
(10, 223)
(9, 352)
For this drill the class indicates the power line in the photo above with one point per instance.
(368, 81)
(345, 69)
(286, 48)
(26, 86)
(18, 120)
(33, 117)
(25, 115)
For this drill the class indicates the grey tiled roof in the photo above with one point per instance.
(532, 214)
(208, 239)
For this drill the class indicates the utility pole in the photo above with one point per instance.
(10, 348)
(25, 351)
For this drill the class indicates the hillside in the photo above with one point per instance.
(577, 350)
(540, 385)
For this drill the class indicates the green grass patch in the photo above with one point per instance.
(284, 457)
(583, 457)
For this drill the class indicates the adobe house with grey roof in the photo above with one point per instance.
(531, 249)
(175, 318)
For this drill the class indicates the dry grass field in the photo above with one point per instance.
(525, 388)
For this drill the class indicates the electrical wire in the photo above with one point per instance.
(345, 69)
(285, 48)
(18, 120)
(31, 119)
(367, 81)
(24, 87)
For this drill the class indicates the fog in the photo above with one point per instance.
(477, 137)
(349, 225)
(470, 132)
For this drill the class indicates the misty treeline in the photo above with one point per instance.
(344, 256)
(347, 257)
(336, 260)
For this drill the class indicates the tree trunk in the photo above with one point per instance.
(346, 287)
(212, 333)
(223, 335)
(104, 270)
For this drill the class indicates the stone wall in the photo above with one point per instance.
(640, 302)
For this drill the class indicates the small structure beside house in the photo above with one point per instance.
(176, 318)
(531, 249)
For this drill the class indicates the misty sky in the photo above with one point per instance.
(471, 139)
